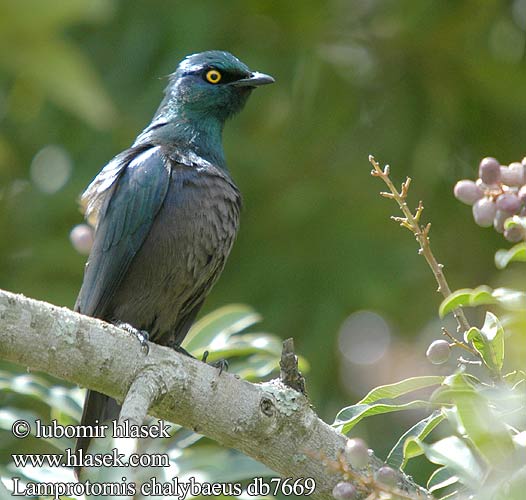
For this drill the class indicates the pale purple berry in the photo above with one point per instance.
(357, 453)
(499, 220)
(489, 170)
(467, 192)
(508, 202)
(484, 211)
(522, 194)
(517, 169)
(506, 175)
(438, 352)
(344, 491)
(514, 234)
(386, 476)
(81, 237)
(511, 177)
(486, 187)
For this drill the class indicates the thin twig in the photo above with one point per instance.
(412, 222)
(455, 342)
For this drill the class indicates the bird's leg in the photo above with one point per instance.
(220, 364)
(142, 335)
(179, 349)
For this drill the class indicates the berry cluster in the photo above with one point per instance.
(499, 194)
(356, 454)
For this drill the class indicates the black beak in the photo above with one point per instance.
(254, 80)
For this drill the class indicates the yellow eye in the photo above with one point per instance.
(213, 76)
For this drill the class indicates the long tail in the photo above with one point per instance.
(98, 408)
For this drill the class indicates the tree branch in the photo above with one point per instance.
(270, 422)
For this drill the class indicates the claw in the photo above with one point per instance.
(180, 350)
(141, 335)
(221, 365)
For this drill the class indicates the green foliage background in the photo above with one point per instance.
(430, 86)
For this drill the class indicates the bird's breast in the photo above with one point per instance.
(184, 253)
(199, 219)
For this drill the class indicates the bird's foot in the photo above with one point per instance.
(141, 335)
(179, 349)
(220, 364)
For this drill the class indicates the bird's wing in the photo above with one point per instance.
(124, 220)
(98, 193)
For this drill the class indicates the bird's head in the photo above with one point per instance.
(212, 84)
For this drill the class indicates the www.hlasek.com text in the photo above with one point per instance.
(82, 459)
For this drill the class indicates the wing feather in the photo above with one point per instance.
(124, 220)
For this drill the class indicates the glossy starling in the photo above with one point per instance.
(166, 212)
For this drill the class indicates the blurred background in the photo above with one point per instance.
(428, 86)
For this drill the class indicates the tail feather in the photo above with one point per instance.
(98, 408)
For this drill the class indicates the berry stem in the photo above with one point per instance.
(412, 222)
(455, 342)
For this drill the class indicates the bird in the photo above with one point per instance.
(166, 213)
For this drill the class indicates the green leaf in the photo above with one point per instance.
(515, 377)
(453, 419)
(398, 389)
(244, 345)
(460, 379)
(400, 454)
(453, 495)
(348, 417)
(480, 296)
(489, 342)
(512, 300)
(456, 299)
(466, 297)
(441, 478)
(485, 429)
(66, 400)
(219, 325)
(457, 456)
(476, 419)
(254, 367)
(516, 253)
